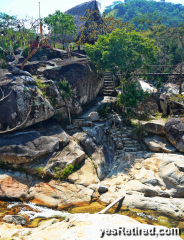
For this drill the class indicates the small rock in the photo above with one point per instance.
(93, 116)
(102, 189)
(15, 219)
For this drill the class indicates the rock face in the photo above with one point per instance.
(34, 100)
(154, 128)
(23, 101)
(96, 145)
(171, 104)
(25, 147)
(159, 144)
(14, 185)
(71, 154)
(86, 175)
(174, 129)
(75, 70)
(159, 175)
(164, 103)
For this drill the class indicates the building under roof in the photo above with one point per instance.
(81, 11)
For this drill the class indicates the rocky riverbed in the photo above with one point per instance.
(112, 164)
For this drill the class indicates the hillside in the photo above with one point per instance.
(171, 13)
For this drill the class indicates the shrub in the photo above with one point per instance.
(43, 87)
(57, 115)
(127, 101)
(41, 172)
(103, 112)
(158, 83)
(63, 173)
(139, 131)
(66, 90)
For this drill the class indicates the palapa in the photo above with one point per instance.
(80, 11)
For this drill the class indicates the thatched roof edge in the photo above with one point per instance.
(80, 11)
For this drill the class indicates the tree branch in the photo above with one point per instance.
(3, 97)
(12, 129)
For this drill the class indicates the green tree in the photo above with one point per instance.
(18, 33)
(60, 25)
(121, 51)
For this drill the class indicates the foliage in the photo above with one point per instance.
(60, 25)
(41, 172)
(94, 164)
(121, 51)
(65, 87)
(43, 87)
(94, 25)
(129, 99)
(160, 21)
(131, 9)
(89, 156)
(3, 64)
(57, 115)
(39, 125)
(139, 131)
(103, 112)
(158, 83)
(19, 33)
(63, 173)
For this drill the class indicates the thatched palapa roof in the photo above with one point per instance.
(81, 11)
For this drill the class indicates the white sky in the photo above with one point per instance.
(31, 7)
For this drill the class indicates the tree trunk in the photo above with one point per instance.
(180, 82)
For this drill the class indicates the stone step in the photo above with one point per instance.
(129, 146)
(109, 83)
(124, 135)
(126, 139)
(108, 80)
(108, 88)
(130, 149)
(107, 94)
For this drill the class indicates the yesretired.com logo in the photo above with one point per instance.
(122, 231)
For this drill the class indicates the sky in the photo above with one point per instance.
(21, 8)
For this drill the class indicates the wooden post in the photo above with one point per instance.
(180, 82)
(111, 205)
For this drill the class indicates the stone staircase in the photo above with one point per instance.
(64, 55)
(123, 140)
(108, 87)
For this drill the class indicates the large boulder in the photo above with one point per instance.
(98, 146)
(174, 129)
(57, 194)
(14, 185)
(23, 104)
(86, 175)
(71, 154)
(154, 128)
(24, 147)
(159, 144)
(85, 84)
(164, 103)
(93, 116)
